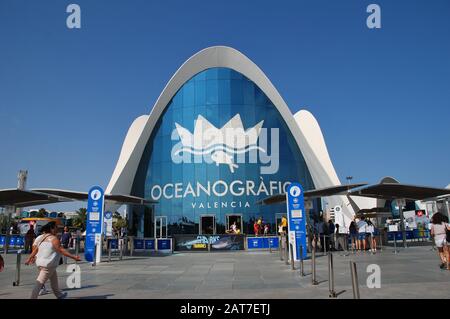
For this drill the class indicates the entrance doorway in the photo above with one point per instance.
(207, 225)
(234, 219)
(160, 227)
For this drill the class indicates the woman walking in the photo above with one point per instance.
(438, 231)
(46, 253)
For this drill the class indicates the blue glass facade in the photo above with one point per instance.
(218, 95)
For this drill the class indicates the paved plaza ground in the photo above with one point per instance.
(412, 273)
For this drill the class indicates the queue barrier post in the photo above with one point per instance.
(313, 264)
(94, 263)
(331, 276)
(18, 263)
(109, 249)
(286, 250)
(302, 272)
(270, 246)
(121, 244)
(280, 244)
(292, 256)
(355, 284)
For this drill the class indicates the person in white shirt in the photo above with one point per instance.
(438, 231)
(46, 253)
(362, 229)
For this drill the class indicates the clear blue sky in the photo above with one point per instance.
(382, 97)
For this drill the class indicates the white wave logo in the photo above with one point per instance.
(220, 146)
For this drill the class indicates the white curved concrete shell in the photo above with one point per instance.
(304, 127)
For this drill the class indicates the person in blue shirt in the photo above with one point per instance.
(66, 237)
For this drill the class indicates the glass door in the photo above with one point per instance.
(160, 227)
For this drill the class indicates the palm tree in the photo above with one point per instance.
(119, 222)
(80, 220)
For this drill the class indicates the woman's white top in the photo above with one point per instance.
(47, 256)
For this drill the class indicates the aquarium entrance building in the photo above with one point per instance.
(219, 139)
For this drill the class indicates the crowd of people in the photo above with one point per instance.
(361, 233)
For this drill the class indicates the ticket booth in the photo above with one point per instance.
(207, 225)
(235, 218)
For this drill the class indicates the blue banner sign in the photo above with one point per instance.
(296, 219)
(20, 241)
(138, 244)
(94, 223)
(2, 241)
(114, 243)
(164, 244)
(399, 235)
(262, 242)
(149, 244)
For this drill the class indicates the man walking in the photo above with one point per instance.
(29, 239)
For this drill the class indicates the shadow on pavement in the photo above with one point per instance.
(81, 288)
(94, 297)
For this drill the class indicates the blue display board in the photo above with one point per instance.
(399, 235)
(94, 223)
(138, 243)
(114, 243)
(262, 242)
(296, 219)
(2, 241)
(20, 241)
(149, 244)
(164, 244)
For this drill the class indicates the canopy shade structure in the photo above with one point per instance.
(25, 198)
(82, 196)
(323, 192)
(400, 191)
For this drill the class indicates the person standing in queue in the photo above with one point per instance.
(353, 230)
(29, 239)
(284, 224)
(256, 228)
(341, 240)
(46, 254)
(331, 231)
(362, 230)
(66, 237)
